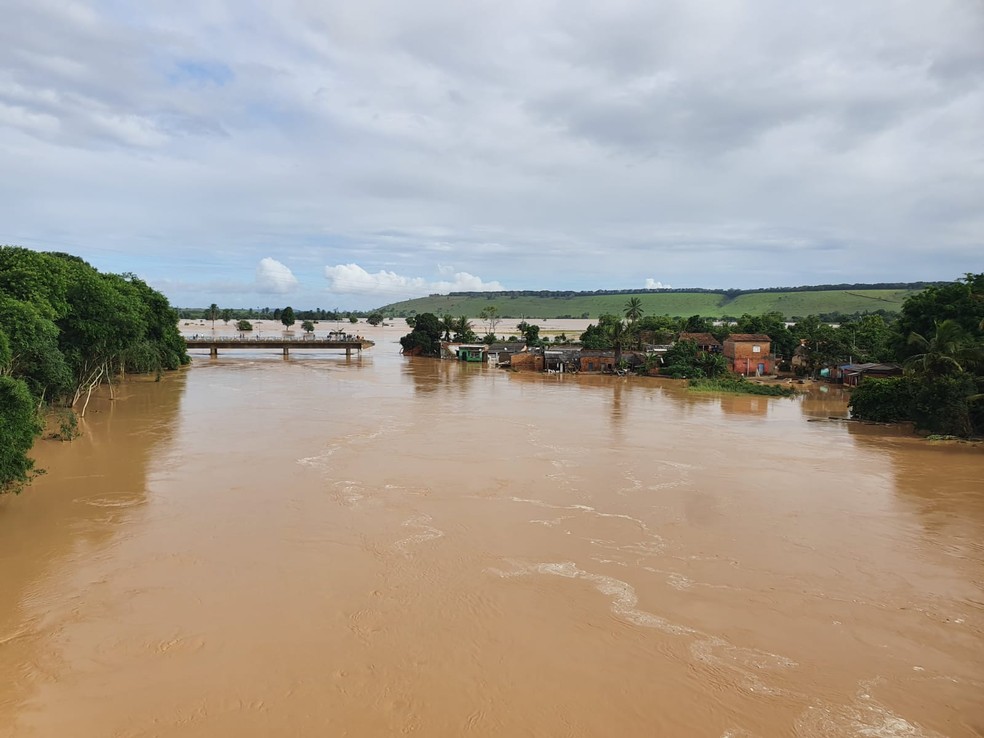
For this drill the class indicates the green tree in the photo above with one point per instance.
(962, 301)
(353, 319)
(463, 332)
(18, 428)
(308, 326)
(448, 323)
(948, 351)
(226, 316)
(657, 329)
(244, 326)
(620, 335)
(425, 338)
(696, 324)
(530, 332)
(34, 354)
(287, 317)
(633, 309)
(685, 360)
(820, 344)
(490, 314)
(375, 318)
(212, 314)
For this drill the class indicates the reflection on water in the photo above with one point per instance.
(95, 487)
(379, 545)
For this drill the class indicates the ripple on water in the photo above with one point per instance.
(747, 664)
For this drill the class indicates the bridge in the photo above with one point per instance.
(213, 344)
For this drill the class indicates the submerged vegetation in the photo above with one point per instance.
(739, 385)
(940, 340)
(66, 328)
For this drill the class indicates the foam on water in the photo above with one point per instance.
(427, 532)
(865, 716)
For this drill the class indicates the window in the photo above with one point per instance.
(756, 349)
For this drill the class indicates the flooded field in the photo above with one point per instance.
(377, 546)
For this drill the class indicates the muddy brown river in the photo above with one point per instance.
(380, 546)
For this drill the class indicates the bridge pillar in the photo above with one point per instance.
(348, 352)
(285, 351)
(213, 352)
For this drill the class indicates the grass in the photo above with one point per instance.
(739, 385)
(682, 304)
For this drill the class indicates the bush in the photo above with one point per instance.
(938, 405)
(739, 385)
(883, 400)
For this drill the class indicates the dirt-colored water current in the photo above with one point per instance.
(378, 546)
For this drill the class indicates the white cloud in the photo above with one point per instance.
(743, 144)
(274, 277)
(652, 284)
(352, 279)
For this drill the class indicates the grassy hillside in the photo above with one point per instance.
(707, 304)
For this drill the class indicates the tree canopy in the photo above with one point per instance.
(66, 328)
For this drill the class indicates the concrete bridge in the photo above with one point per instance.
(213, 344)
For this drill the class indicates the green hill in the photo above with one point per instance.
(792, 303)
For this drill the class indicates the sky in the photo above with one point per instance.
(332, 154)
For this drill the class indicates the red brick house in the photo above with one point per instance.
(749, 354)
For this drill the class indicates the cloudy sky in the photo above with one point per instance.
(328, 154)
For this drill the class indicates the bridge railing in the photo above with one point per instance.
(200, 338)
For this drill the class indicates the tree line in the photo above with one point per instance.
(66, 328)
(730, 293)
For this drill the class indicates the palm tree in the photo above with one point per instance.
(949, 350)
(213, 314)
(448, 324)
(619, 333)
(463, 329)
(633, 309)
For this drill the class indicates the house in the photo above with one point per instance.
(560, 360)
(593, 360)
(471, 352)
(853, 374)
(499, 354)
(526, 361)
(749, 354)
(705, 341)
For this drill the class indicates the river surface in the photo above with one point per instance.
(379, 546)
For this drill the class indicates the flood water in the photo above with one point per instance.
(378, 546)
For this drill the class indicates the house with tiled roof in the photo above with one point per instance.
(705, 341)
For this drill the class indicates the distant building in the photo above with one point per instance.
(705, 341)
(749, 354)
(853, 374)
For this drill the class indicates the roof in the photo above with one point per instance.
(701, 339)
(759, 337)
(871, 367)
(511, 346)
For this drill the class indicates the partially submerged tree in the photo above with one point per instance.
(287, 317)
(425, 338)
(490, 314)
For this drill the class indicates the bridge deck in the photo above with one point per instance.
(229, 342)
